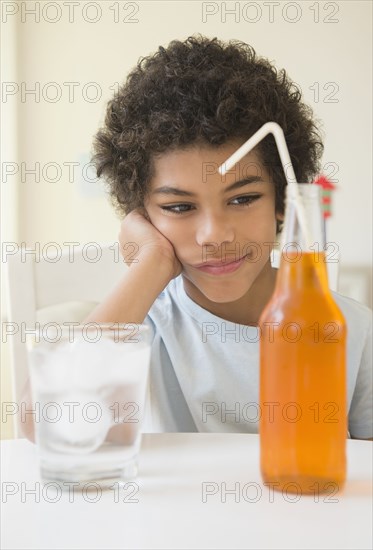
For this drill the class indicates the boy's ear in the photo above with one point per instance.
(280, 217)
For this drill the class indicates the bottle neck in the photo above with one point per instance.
(302, 264)
(292, 231)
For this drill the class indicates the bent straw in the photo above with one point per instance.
(293, 192)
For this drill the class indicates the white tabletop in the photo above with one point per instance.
(166, 510)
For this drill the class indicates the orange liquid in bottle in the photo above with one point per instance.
(303, 424)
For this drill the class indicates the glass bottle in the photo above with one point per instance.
(303, 423)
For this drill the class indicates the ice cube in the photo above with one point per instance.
(50, 368)
(106, 363)
(93, 367)
(83, 425)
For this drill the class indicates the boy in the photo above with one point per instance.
(200, 271)
(198, 244)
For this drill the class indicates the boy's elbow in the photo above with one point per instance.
(27, 425)
(28, 430)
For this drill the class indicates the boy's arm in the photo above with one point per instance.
(131, 299)
(360, 414)
(153, 267)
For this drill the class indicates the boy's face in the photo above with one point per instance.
(209, 221)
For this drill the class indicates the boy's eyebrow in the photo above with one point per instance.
(167, 190)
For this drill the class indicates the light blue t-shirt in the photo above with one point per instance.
(204, 371)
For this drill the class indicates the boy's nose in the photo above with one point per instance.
(214, 230)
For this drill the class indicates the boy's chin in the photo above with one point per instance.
(225, 296)
(221, 292)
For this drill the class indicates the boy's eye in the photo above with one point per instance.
(177, 208)
(246, 199)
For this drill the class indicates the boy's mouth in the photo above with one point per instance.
(217, 267)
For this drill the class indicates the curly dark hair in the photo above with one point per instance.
(201, 92)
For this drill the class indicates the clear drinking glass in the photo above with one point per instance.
(88, 384)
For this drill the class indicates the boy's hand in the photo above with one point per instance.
(139, 238)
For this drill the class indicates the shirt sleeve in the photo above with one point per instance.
(361, 411)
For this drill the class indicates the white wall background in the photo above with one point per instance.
(324, 46)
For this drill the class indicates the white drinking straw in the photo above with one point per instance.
(293, 192)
